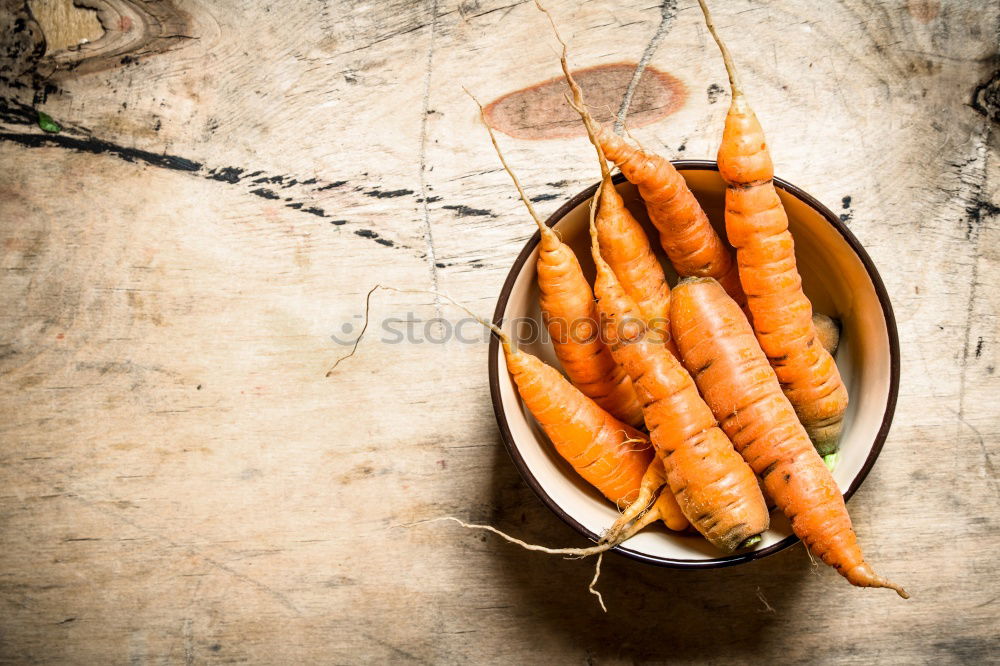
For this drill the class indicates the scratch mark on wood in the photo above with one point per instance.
(395, 649)
(424, 188)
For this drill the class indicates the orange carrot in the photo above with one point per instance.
(719, 349)
(611, 455)
(713, 486)
(690, 241)
(757, 226)
(624, 244)
(570, 315)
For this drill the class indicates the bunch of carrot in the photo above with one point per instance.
(726, 371)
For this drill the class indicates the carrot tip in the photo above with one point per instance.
(863, 576)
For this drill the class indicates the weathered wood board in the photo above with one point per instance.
(179, 481)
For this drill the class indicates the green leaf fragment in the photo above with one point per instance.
(46, 122)
(831, 460)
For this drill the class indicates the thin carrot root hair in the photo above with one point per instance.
(652, 483)
(727, 58)
(593, 583)
(542, 227)
(496, 330)
(571, 553)
(633, 138)
(634, 440)
(357, 341)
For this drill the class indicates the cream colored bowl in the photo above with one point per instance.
(839, 278)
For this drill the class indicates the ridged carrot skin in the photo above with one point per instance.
(570, 316)
(626, 248)
(687, 236)
(715, 489)
(590, 439)
(718, 347)
(782, 314)
(757, 226)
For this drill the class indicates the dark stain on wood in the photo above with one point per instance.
(986, 97)
(97, 147)
(848, 214)
(368, 233)
(975, 211)
(386, 194)
(229, 175)
(713, 92)
(468, 211)
(22, 43)
(540, 111)
(265, 193)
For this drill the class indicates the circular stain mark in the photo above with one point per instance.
(540, 111)
(924, 11)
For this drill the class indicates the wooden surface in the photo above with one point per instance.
(179, 482)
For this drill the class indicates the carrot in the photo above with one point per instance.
(691, 243)
(570, 316)
(757, 226)
(827, 331)
(719, 349)
(714, 487)
(611, 455)
(624, 243)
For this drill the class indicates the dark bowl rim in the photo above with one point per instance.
(741, 558)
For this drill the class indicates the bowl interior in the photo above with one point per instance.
(835, 278)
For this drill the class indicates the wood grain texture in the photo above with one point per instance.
(179, 483)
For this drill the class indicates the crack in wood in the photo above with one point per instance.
(668, 12)
(972, 191)
(424, 186)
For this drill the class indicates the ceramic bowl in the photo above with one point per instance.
(837, 275)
